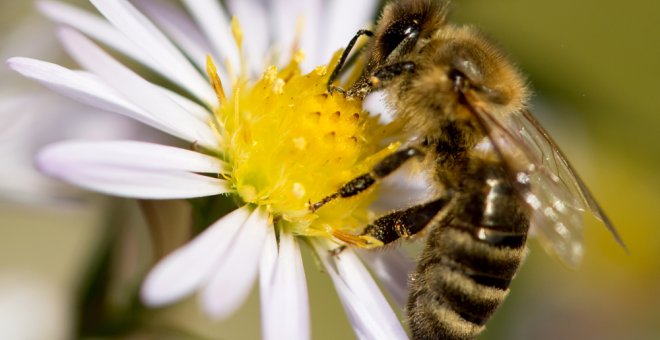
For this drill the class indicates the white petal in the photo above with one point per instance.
(137, 90)
(283, 290)
(186, 269)
(99, 29)
(188, 105)
(191, 107)
(130, 173)
(180, 28)
(267, 266)
(366, 307)
(393, 268)
(343, 19)
(81, 87)
(215, 24)
(146, 36)
(87, 88)
(95, 27)
(235, 274)
(139, 155)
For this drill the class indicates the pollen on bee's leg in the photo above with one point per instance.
(348, 238)
(375, 81)
(360, 241)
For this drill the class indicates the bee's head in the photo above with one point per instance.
(402, 25)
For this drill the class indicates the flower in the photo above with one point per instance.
(271, 142)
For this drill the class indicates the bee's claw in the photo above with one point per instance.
(332, 89)
(316, 206)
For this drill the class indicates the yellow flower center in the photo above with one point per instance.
(289, 142)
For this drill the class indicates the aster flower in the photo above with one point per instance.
(269, 137)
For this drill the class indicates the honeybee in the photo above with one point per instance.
(496, 170)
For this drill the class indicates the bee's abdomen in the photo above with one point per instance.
(460, 281)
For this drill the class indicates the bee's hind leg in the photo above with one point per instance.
(403, 223)
(407, 222)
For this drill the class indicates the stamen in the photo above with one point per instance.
(237, 32)
(215, 81)
(300, 27)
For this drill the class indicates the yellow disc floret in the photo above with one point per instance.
(288, 142)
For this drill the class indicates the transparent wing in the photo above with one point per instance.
(546, 181)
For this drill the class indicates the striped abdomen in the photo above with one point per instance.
(469, 260)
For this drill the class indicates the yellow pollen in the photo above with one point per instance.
(299, 143)
(298, 57)
(298, 190)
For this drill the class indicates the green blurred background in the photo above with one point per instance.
(595, 69)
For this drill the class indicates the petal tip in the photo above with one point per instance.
(157, 292)
(213, 309)
(47, 161)
(15, 63)
(151, 294)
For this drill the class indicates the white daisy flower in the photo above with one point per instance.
(268, 136)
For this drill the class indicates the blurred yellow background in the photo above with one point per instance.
(595, 69)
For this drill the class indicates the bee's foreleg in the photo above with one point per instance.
(361, 183)
(342, 60)
(384, 74)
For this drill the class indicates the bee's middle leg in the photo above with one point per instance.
(361, 183)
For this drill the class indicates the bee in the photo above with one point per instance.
(496, 171)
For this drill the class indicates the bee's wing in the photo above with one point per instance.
(546, 181)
